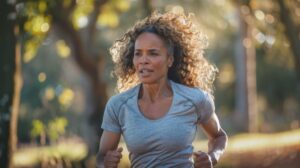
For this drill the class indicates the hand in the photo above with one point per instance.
(112, 158)
(202, 160)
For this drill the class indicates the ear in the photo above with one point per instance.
(170, 60)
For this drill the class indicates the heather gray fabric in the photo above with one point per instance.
(164, 142)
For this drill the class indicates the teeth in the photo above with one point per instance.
(145, 70)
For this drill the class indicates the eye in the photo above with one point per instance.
(154, 53)
(137, 54)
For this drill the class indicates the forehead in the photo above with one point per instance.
(149, 40)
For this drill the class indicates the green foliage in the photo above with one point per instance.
(46, 93)
(54, 129)
(38, 129)
(57, 127)
(109, 12)
(36, 18)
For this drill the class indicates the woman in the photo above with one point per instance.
(168, 92)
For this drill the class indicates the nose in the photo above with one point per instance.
(144, 59)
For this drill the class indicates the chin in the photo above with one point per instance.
(149, 81)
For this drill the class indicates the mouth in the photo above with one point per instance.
(145, 71)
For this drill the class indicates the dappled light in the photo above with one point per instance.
(63, 49)
(42, 77)
(79, 15)
(49, 93)
(108, 18)
(59, 56)
(66, 97)
(30, 51)
(38, 25)
(109, 12)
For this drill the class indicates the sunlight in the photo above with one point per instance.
(62, 49)
(45, 27)
(122, 5)
(49, 93)
(259, 15)
(66, 97)
(82, 21)
(72, 149)
(42, 77)
(108, 18)
(30, 51)
(82, 10)
(263, 141)
(38, 25)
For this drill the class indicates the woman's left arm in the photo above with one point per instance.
(217, 138)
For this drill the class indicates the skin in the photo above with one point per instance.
(217, 141)
(152, 61)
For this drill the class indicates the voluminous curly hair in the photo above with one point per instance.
(183, 40)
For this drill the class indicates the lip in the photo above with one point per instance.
(145, 70)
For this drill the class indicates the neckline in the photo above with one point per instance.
(142, 114)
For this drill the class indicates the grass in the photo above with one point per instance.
(244, 150)
(253, 150)
(72, 150)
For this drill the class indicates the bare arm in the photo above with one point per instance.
(109, 142)
(217, 138)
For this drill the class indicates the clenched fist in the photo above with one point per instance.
(112, 158)
(202, 160)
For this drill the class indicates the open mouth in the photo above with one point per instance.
(145, 71)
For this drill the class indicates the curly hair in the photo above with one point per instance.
(183, 40)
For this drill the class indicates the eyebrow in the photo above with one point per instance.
(152, 49)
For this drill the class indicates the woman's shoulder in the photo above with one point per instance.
(193, 93)
(121, 98)
(202, 100)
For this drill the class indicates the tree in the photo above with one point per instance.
(10, 87)
(292, 33)
(61, 17)
(245, 57)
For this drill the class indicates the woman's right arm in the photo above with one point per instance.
(108, 154)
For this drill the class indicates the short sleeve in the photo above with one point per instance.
(110, 118)
(206, 108)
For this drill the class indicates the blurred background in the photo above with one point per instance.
(56, 77)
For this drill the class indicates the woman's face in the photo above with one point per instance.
(151, 59)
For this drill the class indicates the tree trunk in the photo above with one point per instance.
(245, 110)
(240, 114)
(292, 34)
(92, 66)
(10, 77)
(251, 91)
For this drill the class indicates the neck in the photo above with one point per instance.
(155, 92)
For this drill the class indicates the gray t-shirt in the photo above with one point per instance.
(164, 142)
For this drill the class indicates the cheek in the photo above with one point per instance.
(162, 65)
(134, 62)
